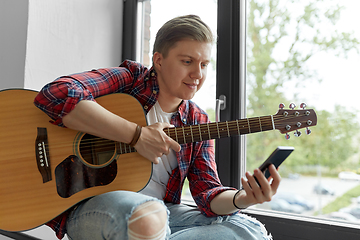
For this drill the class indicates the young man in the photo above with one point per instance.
(181, 55)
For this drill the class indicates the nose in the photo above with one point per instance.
(196, 72)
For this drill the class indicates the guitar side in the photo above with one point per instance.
(26, 201)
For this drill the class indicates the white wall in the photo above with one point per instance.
(67, 36)
(41, 40)
(13, 29)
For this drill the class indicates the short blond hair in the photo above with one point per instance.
(180, 28)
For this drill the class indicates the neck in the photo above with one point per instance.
(169, 105)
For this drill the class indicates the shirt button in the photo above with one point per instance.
(152, 74)
(146, 107)
(184, 120)
(154, 91)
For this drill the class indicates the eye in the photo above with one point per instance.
(187, 62)
(204, 65)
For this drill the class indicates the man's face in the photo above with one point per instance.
(182, 73)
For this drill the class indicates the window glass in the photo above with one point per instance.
(308, 51)
(164, 10)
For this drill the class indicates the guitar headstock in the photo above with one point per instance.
(288, 120)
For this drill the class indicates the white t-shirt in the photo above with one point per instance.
(162, 170)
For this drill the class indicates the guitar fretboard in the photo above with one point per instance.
(207, 131)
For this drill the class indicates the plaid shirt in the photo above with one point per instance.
(195, 160)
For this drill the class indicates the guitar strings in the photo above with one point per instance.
(203, 131)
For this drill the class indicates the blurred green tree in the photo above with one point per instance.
(282, 36)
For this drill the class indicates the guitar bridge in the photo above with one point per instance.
(42, 154)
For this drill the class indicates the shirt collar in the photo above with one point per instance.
(183, 111)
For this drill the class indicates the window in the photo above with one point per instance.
(279, 77)
(307, 51)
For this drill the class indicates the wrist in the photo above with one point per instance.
(136, 136)
(234, 199)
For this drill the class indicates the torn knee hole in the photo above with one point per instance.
(148, 221)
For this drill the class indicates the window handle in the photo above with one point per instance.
(220, 105)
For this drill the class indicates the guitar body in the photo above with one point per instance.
(33, 190)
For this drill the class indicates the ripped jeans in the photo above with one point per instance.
(106, 217)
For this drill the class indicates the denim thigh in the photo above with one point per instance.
(104, 216)
(187, 222)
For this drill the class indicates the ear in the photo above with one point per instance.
(157, 59)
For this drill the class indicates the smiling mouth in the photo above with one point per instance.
(193, 85)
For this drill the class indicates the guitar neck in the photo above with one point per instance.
(207, 131)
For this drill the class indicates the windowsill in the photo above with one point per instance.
(296, 217)
(287, 226)
(284, 226)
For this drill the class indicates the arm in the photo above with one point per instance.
(70, 101)
(222, 204)
(92, 118)
(153, 141)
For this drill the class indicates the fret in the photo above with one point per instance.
(260, 124)
(238, 128)
(192, 136)
(267, 123)
(217, 126)
(254, 125)
(222, 129)
(227, 126)
(209, 131)
(183, 134)
(272, 121)
(200, 132)
(243, 126)
(177, 140)
(249, 125)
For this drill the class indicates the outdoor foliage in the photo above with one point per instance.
(283, 36)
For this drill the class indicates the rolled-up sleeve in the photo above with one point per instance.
(60, 97)
(204, 182)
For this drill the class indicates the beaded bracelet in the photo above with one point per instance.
(136, 136)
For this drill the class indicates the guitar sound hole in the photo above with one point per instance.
(95, 150)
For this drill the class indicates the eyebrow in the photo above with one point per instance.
(188, 56)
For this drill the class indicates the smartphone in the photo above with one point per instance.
(277, 157)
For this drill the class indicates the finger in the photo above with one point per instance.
(261, 180)
(253, 182)
(276, 178)
(166, 125)
(261, 188)
(156, 160)
(172, 143)
(245, 185)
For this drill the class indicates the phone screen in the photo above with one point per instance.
(277, 157)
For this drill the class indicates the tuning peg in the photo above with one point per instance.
(287, 136)
(292, 106)
(297, 133)
(303, 105)
(281, 105)
(308, 131)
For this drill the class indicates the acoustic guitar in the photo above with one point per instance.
(46, 169)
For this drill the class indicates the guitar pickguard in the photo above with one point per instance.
(73, 176)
